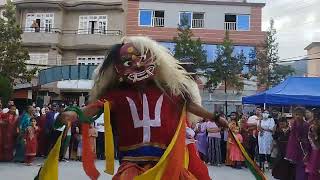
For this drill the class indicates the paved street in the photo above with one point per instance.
(73, 171)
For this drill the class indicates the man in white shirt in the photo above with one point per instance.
(100, 139)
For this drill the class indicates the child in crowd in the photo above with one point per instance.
(79, 148)
(214, 143)
(235, 152)
(31, 141)
(93, 134)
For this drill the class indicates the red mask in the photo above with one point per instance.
(134, 67)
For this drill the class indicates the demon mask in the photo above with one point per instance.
(134, 67)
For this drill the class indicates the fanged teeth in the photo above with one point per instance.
(149, 72)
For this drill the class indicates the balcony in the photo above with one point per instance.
(158, 21)
(70, 4)
(197, 23)
(41, 36)
(230, 26)
(89, 39)
(71, 39)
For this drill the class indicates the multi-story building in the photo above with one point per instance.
(313, 65)
(69, 32)
(208, 19)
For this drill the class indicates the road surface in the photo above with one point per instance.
(73, 171)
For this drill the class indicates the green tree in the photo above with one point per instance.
(188, 48)
(266, 61)
(227, 67)
(5, 90)
(12, 53)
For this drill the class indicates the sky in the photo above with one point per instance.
(297, 23)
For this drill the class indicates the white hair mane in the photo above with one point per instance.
(169, 75)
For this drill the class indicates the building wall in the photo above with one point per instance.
(314, 65)
(213, 32)
(71, 19)
(214, 14)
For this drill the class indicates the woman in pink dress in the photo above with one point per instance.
(235, 152)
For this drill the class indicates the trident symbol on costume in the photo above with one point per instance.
(146, 121)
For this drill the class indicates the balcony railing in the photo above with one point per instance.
(78, 31)
(94, 31)
(42, 30)
(197, 23)
(158, 22)
(230, 26)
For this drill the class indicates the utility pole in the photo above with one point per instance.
(226, 96)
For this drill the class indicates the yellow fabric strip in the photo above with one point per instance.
(108, 140)
(247, 157)
(49, 171)
(156, 172)
(186, 159)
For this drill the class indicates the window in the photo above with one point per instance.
(38, 59)
(89, 60)
(151, 18)
(237, 22)
(39, 22)
(243, 22)
(94, 24)
(192, 19)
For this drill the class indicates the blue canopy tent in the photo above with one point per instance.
(292, 91)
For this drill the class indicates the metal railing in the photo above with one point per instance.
(158, 22)
(94, 31)
(197, 23)
(78, 31)
(230, 26)
(41, 30)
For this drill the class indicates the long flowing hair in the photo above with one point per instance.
(170, 77)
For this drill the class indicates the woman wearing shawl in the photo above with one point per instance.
(23, 125)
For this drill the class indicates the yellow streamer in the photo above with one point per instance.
(49, 171)
(108, 140)
(157, 171)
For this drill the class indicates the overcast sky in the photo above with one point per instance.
(297, 23)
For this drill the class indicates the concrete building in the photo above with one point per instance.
(313, 66)
(68, 32)
(208, 19)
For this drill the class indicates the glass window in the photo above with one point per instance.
(198, 16)
(185, 18)
(145, 17)
(243, 22)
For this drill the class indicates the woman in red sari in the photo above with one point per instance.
(42, 141)
(31, 142)
(1, 132)
(9, 132)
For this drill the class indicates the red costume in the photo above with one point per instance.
(147, 90)
(31, 143)
(8, 133)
